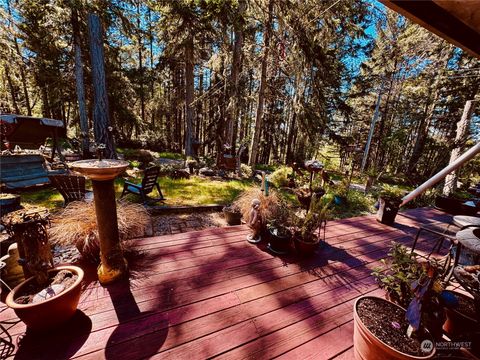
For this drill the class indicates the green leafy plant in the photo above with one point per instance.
(318, 212)
(392, 194)
(397, 272)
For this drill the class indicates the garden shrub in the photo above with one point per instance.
(280, 177)
(246, 170)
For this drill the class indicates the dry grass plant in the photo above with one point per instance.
(77, 225)
(270, 206)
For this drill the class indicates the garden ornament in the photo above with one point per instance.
(255, 223)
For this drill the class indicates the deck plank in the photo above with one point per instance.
(209, 293)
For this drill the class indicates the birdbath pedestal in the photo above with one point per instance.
(103, 173)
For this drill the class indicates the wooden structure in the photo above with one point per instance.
(457, 21)
(209, 293)
(71, 187)
(149, 181)
(20, 171)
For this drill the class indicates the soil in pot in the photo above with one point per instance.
(462, 318)
(387, 322)
(34, 293)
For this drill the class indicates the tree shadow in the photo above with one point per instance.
(62, 342)
(127, 310)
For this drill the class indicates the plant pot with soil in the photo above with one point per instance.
(9, 203)
(280, 239)
(461, 314)
(43, 307)
(232, 214)
(307, 232)
(380, 332)
(389, 204)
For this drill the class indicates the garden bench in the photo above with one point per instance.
(21, 171)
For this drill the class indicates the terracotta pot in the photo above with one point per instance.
(457, 323)
(305, 248)
(52, 312)
(367, 346)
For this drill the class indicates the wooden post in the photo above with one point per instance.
(101, 118)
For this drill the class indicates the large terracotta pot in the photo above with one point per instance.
(457, 323)
(367, 346)
(52, 312)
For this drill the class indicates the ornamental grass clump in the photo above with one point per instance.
(77, 225)
(270, 205)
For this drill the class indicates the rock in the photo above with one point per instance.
(48, 293)
(207, 172)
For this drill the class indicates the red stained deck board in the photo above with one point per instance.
(203, 314)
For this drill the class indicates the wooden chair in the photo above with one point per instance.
(71, 187)
(146, 187)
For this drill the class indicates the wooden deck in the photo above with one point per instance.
(211, 294)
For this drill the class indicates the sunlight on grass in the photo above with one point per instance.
(199, 191)
(48, 198)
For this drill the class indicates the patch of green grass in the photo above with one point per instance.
(170, 155)
(47, 197)
(358, 204)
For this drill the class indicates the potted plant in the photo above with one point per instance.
(389, 204)
(396, 274)
(461, 315)
(280, 237)
(232, 214)
(384, 330)
(9, 203)
(455, 204)
(341, 192)
(49, 303)
(49, 296)
(307, 230)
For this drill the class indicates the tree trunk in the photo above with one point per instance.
(189, 94)
(140, 65)
(261, 92)
(12, 90)
(101, 118)
(460, 139)
(82, 109)
(236, 68)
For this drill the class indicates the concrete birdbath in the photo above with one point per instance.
(102, 172)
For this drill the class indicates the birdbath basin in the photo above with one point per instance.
(103, 173)
(106, 169)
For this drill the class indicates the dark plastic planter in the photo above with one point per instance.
(454, 206)
(457, 323)
(279, 243)
(387, 211)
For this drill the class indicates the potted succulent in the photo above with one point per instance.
(232, 214)
(388, 205)
(307, 230)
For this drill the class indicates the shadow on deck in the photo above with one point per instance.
(211, 294)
